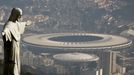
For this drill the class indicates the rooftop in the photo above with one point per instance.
(77, 40)
(75, 57)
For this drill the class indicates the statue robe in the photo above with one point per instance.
(11, 37)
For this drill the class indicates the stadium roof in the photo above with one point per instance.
(75, 57)
(67, 40)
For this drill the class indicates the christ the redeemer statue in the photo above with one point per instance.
(11, 37)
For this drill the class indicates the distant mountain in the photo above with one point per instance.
(102, 16)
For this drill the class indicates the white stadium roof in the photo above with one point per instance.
(104, 41)
(75, 57)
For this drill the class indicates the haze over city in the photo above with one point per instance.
(59, 22)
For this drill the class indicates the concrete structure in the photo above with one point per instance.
(129, 33)
(78, 64)
(103, 45)
(78, 40)
(124, 63)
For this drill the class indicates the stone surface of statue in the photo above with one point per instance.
(11, 34)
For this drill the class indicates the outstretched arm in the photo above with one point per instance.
(28, 23)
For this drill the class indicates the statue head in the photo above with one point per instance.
(15, 15)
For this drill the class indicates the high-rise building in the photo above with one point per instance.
(124, 63)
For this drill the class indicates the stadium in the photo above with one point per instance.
(103, 45)
(78, 41)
